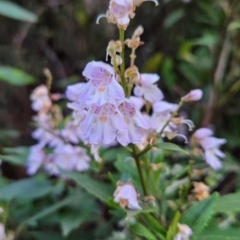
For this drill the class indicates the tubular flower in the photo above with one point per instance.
(102, 86)
(136, 124)
(127, 196)
(211, 145)
(120, 12)
(162, 113)
(69, 158)
(35, 159)
(146, 88)
(45, 133)
(102, 123)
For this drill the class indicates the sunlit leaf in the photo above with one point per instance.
(15, 76)
(12, 10)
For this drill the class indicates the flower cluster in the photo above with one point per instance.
(54, 149)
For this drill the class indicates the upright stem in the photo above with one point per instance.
(137, 160)
(122, 66)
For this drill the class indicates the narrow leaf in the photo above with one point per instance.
(15, 76)
(12, 10)
(173, 229)
(142, 231)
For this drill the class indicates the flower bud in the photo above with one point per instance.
(132, 74)
(138, 31)
(200, 191)
(193, 95)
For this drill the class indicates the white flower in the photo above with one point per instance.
(40, 99)
(45, 133)
(102, 123)
(161, 114)
(211, 146)
(102, 86)
(120, 12)
(35, 159)
(184, 232)
(146, 88)
(126, 195)
(69, 158)
(136, 123)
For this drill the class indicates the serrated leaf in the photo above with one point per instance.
(173, 229)
(228, 203)
(142, 231)
(171, 147)
(15, 76)
(198, 216)
(12, 10)
(99, 190)
(26, 189)
(219, 234)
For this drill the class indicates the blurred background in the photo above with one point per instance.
(189, 43)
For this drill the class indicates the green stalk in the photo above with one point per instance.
(140, 173)
(122, 66)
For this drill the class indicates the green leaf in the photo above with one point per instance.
(219, 234)
(234, 25)
(173, 229)
(99, 190)
(70, 221)
(55, 207)
(127, 165)
(12, 10)
(171, 147)
(15, 76)
(26, 189)
(228, 203)
(174, 17)
(17, 155)
(142, 231)
(198, 216)
(155, 224)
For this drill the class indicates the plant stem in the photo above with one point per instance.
(137, 160)
(122, 66)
